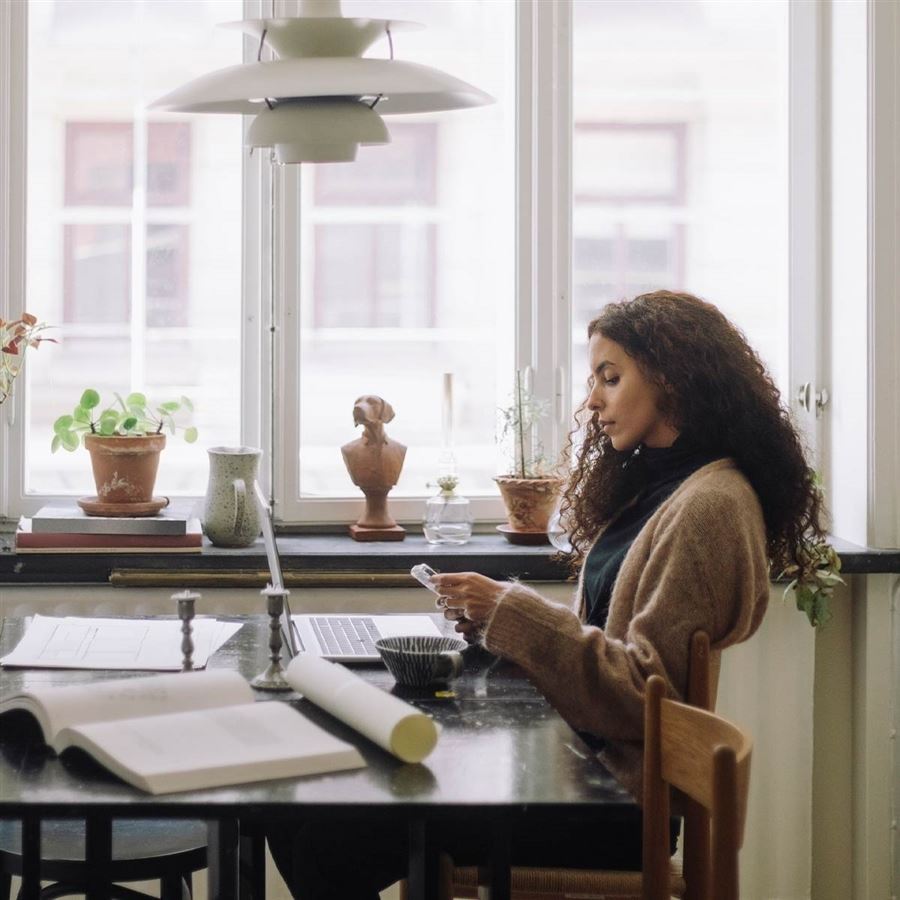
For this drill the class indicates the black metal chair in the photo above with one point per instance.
(142, 850)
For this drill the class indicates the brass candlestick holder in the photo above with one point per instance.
(185, 601)
(272, 679)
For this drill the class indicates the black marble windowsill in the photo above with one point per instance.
(328, 561)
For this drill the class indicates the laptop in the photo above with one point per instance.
(343, 638)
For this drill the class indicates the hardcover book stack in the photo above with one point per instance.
(67, 529)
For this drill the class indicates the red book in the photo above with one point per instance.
(28, 541)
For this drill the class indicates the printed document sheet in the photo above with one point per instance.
(87, 643)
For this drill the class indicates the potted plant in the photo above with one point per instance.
(16, 337)
(530, 489)
(124, 441)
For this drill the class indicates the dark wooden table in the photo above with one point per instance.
(503, 753)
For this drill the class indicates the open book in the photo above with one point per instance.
(191, 730)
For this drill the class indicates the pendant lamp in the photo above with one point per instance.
(320, 99)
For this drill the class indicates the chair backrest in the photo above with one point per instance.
(708, 759)
(702, 688)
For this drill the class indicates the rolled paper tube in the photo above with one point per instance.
(390, 722)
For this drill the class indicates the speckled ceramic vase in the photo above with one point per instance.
(230, 514)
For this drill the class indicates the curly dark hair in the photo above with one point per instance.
(715, 389)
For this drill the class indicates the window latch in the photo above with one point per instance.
(806, 398)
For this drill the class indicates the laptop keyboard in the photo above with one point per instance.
(346, 635)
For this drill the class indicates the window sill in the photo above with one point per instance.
(321, 560)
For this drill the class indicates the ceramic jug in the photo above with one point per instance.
(230, 513)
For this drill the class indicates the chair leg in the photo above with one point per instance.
(252, 864)
(5, 885)
(172, 887)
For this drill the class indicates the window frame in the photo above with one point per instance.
(270, 335)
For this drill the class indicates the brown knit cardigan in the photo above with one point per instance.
(698, 563)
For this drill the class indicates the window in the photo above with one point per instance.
(447, 251)
(680, 161)
(134, 226)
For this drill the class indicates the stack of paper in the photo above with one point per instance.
(88, 643)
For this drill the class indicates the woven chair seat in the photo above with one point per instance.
(530, 883)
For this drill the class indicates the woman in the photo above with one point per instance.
(690, 482)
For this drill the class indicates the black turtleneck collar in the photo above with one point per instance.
(661, 465)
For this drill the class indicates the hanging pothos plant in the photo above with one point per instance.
(814, 580)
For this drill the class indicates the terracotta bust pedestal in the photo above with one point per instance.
(374, 462)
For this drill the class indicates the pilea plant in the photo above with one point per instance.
(132, 416)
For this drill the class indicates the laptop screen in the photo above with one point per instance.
(268, 531)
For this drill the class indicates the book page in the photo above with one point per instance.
(390, 722)
(214, 747)
(102, 701)
(75, 642)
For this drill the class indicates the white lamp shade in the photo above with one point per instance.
(320, 100)
(316, 130)
(406, 87)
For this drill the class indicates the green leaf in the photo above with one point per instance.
(136, 399)
(80, 414)
(70, 441)
(190, 434)
(186, 403)
(170, 407)
(89, 399)
(128, 423)
(55, 444)
(107, 426)
(63, 423)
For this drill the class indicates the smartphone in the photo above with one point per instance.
(422, 573)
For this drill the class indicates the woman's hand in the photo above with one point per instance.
(468, 595)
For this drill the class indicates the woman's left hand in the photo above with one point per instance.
(476, 595)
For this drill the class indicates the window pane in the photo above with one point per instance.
(97, 266)
(134, 224)
(680, 159)
(98, 163)
(408, 266)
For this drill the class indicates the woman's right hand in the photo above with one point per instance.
(470, 631)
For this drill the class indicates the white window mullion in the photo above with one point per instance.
(884, 276)
(255, 289)
(13, 118)
(806, 220)
(138, 219)
(545, 183)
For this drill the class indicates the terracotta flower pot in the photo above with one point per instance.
(125, 467)
(530, 502)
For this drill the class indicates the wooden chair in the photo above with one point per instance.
(688, 878)
(707, 758)
(142, 850)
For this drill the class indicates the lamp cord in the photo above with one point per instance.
(262, 41)
(390, 37)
